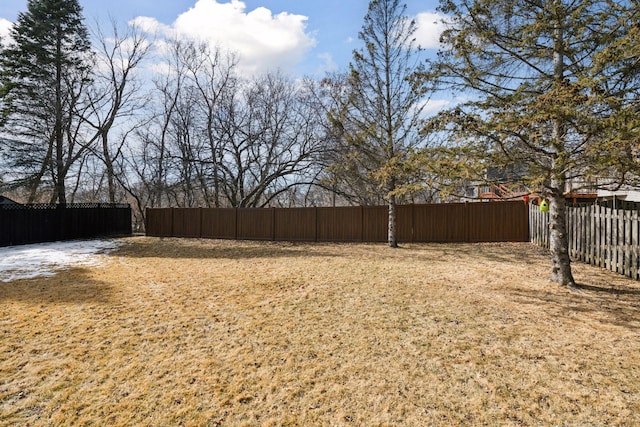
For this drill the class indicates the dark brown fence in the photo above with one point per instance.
(455, 222)
(23, 224)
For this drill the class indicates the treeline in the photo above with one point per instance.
(119, 119)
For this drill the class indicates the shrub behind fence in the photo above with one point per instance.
(598, 235)
(23, 224)
(453, 223)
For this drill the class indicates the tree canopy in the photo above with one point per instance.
(42, 77)
(553, 93)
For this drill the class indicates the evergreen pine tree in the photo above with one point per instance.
(551, 93)
(42, 76)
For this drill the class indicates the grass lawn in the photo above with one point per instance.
(172, 332)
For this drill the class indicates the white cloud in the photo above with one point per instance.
(434, 106)
(150, 25)
(328, 64)
(263, 40)
(5, 28)
(430, 26)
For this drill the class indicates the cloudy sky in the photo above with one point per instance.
(303, 37)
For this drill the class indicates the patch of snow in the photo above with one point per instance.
(44, 259)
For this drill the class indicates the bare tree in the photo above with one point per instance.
(211, 73)
(271, 139)
(116, 95)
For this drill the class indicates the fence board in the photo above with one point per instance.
(219, 223)
(187, 222)
(293, 224)
(255, 224)
(375, 223)
(619, 242)
(405, 227)
(340, 224)
(634, 244)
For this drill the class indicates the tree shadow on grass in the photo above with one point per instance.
(601, 297)
(609, 290)
(502, 252)
(192, 248)
(71, 286)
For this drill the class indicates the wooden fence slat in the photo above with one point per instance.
(620, 243)
(627, 243)
(597, 235)
(634, 245)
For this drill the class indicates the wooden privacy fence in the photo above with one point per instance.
(23, 224)
(598, 235)
(455, 222)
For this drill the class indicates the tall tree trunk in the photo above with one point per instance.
(392, 235)
(558, 239)
(60, 189)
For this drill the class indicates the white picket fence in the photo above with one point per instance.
(598, 235)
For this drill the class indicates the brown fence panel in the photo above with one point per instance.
(405, 229)
(186, 222)
(340, 224)
(375, 223)
(255, 224)
(159, 222)
(296, 224)
(443, 223)
(219, 223)
(498, 222)
(447, 223)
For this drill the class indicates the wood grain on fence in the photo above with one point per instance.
(597, 235)
(447, 223)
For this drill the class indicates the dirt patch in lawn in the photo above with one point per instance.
(217, 333)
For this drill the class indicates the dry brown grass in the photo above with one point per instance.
(210, 333)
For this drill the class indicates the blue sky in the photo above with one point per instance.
(303, 37)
